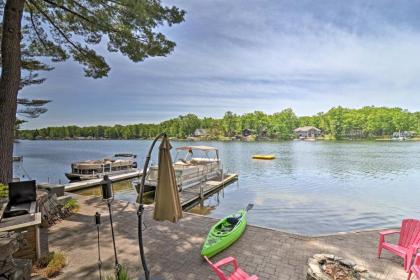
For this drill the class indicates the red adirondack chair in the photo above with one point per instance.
(415, 268)
(238, 274)
(408, 244)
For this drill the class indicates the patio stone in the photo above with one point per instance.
(173, 250)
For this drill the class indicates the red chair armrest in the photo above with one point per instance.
(415, 248)
(391, 231)
(417, 260)
(226, 261)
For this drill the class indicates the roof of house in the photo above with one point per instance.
(200, 131)
(306, 128)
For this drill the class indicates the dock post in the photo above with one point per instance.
(201, 190)
(201, 194)
(221, 174)
(223, 178)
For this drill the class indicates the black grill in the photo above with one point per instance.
(21, 197)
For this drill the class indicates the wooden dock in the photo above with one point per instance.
(74, 186)
(189, 197)
(18, 158)
(193, 195)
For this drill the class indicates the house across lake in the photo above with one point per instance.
(307, 132)
(200, 132)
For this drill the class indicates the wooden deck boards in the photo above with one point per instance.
(173, 249)
(95, 182)
(191, 196)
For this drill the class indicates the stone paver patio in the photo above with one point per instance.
(173, 250)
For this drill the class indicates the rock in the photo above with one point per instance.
(360, 268)
(23, 269)
(348, 263)
(7, 265)
(318, 257)
(329, 256)
(321, 264)
(323, 257)
(9, 244)
(38, 278)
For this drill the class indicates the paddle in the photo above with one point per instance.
(249, 207)
(234, 220)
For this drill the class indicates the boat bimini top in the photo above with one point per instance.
(204, 150)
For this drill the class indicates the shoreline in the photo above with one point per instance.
(150, 206)
(299, 234)
(231, 140)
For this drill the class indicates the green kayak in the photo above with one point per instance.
(224, 233)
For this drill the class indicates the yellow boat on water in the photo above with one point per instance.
(263, 156)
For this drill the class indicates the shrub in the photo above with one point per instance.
(4, 191)
(72, 205)
(122, 276)
(51, 265)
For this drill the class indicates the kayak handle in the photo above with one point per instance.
(249, 207)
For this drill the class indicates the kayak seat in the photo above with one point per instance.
(238, 274)
(232, 220)
(226, 226)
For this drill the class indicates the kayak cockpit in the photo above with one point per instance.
(227, 225)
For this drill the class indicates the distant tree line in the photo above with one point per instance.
(337, 123)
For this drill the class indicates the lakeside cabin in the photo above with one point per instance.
(403, 135)
(247, 132)
(200, 132)
(307, 132)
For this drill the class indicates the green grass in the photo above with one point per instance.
(72, 204)
(122, 276)
(51, 265)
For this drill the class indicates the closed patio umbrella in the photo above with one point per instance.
(167, 204)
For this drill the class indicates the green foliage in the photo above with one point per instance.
(230, 123)
(72, 204)
(4, 191)
(365, 122)
(123, 275)
(337, 123)
(51, 265)
(31, 108)
(50, 28)
(75, 28)
(281, 125)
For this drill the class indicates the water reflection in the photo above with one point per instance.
(202, 209)
(117, 188)
(123, 190)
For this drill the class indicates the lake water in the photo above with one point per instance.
(311, 188)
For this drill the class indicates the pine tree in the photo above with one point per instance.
(63, 29)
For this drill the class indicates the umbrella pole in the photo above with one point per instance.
(98, 223)
(140, 210)
(117, 265)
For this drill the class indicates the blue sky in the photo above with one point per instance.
(252, 55)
